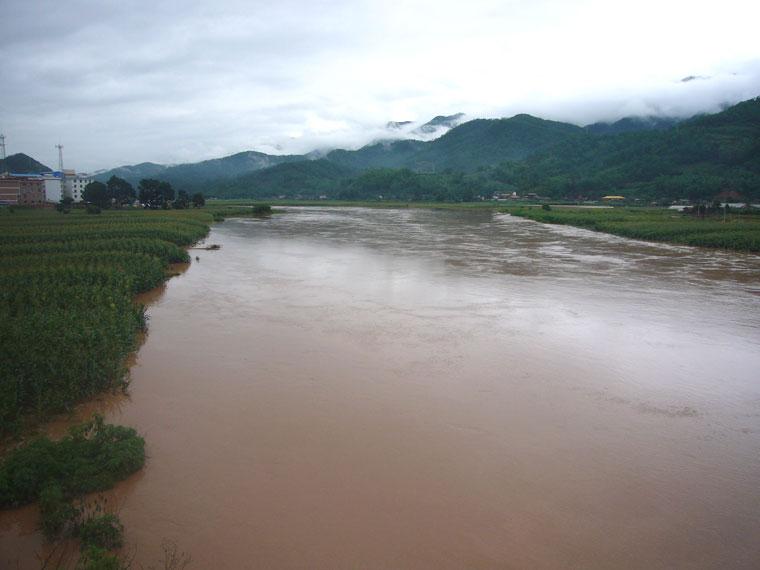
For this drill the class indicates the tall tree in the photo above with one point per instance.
(182, 201)
(121, 191)
(97, 193)
(155, 193)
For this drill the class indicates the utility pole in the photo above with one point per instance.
(2, 154)
(60, 156)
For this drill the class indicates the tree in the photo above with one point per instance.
(167, 192)
(198, 200)
(121, 191)
(155, 193)
(97, 193)
(64, 206)
(182, 201)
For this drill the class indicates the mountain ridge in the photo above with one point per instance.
(21, 163)
(465, 146)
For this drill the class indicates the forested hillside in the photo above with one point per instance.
(699, 159)
(304, 178)
(22, 164)
(198, 175)
(696, 159)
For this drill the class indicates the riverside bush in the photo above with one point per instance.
(93, 456)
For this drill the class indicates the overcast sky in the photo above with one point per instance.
(126, 82)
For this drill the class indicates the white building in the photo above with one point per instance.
(53, 186)
(74, 184)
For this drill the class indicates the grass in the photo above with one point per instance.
(739, 231)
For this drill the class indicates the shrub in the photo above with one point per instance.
(92, 457)
(101, 531)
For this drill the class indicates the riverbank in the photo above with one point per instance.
(737, 230)
(70, 324)
(734, 230)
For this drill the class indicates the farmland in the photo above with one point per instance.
(67, 316)
(737, 231)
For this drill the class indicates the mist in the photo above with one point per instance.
(181, 81)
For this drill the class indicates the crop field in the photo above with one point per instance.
(67, 316)
(738, 231)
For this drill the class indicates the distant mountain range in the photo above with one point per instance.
(647, 158)
(638, 155)
(464, 146)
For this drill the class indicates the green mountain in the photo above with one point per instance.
(304, 178)
(484, 142)
(473, 144)
(133, 173)
(646, 158)
(198, 175)
(390, 154)
(22, 164)
(697, 159)
(632, 125)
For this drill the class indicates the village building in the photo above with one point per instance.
(53, 186)
(74, 184)
(20, 190)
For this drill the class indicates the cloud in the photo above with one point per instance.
(182, 81)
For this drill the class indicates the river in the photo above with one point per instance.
(417, 389)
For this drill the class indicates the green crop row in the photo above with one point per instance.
(180, 234)
(68, 321)
(736, 232)
(165, 250)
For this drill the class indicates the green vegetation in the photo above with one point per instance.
(197, 176)
(155, 193)
(101, 531)
(649, 160)
(740, 231)
(92, 457)
(311, 178)
(222, 210)
(67, 318)
(700, 159)
(97, 194)
(21, 163)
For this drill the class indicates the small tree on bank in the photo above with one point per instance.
(198, 200)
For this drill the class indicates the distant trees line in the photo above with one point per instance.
(153, 194)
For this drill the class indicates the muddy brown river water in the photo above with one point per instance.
(419, 389)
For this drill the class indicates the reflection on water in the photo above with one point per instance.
(351, 388)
